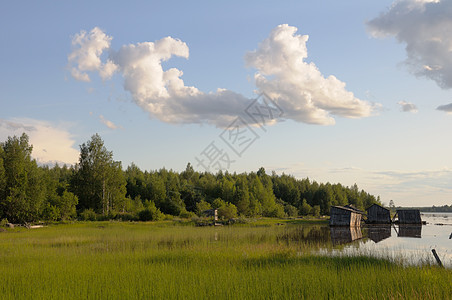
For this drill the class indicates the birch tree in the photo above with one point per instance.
(99, 181)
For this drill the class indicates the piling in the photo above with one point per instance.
(437, 258)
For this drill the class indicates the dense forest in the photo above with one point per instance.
(98, 188)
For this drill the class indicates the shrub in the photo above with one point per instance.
(51, 213)
(150, 213)
(167, 217)
(88, 215)
(126, 217)
(202, 206)
(3, 222)
(316, 211)
(217, 203)
(277, 211)
(305, 208)
(290, 210)
(185, 214)
(227, 211)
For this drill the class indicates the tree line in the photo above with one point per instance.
(97, 188)
(443, 208)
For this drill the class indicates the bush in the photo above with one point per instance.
(227, 211)
(167, 217)
(51, 213)
(202, 206)
(150, 213)
(185, 214)
(316, 211)
(3, 222)
(88, 215)
(239, 220)
(110, 216)
(126, 217)
(305, 208)
(290, 210)
(276, 211)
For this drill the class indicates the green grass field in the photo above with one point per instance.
(114, 260)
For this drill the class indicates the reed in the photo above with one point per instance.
(113, 260)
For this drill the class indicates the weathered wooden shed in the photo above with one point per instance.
(352, 207)
(344, 216)
(377, 214)
(409, 216)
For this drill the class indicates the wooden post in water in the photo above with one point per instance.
(437, 258)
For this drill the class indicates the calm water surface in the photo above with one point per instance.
(407, 244)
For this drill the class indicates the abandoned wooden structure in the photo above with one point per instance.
(408, 216)
(377, 214)
(354, 208)
(345, 216)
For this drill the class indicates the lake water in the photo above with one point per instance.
(409, 244)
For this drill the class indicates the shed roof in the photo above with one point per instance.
(378, 206)
(355, 210)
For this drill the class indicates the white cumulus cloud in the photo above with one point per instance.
(50, 143)
(298, 87)
(86, 55)
(407, 107)
(424, 26)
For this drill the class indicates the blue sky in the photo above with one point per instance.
(382, 121)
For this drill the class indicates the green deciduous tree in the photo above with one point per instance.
(290, 210)
(150, 212)
(23, 193)
(305, 208)
(202, 206)
(2, 183)
(99, 181)
(242, 196)
(226, 210)
(315, 211)
(66, 205)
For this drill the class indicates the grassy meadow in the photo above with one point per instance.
(167, 260)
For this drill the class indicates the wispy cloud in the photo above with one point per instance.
(405, 187)
(108, 123)
(51, 143)
(296, 86)
(424, 26)
(407, 106)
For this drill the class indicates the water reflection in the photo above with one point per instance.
(318, 234)
(345, 235)
(413, 231)
(410, 244)
(378, 233)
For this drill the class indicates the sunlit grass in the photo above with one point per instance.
(104, 260)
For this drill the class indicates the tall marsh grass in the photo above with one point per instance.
(103, 260)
